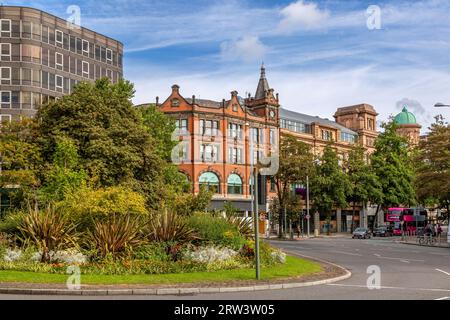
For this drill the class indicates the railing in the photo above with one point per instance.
(413, 237)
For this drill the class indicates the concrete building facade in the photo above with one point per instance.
(43, 57)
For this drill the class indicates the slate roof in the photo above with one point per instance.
(263, 85)
(307, 119)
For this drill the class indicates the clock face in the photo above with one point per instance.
(272, 114)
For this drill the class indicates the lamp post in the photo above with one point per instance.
(308, 217)
(254, 179)
(441, 105)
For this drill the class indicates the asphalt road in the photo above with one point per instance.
(407, 272)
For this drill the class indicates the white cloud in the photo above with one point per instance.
(247, 49)
(301, 15)
(315, 92)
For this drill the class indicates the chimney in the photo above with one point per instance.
(157, 101)
(175, 88)
(278, 97)
(223, 103)
(193, 99)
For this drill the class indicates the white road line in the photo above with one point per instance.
(447, 273)
(443, 298)
(383, 287)
(399, 259)
(349, 253)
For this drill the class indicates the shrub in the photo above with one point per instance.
(211, 254)
(216, 231)
(267, 254)
(154, 251)
(48, 230)
(11, 223)
(169, 227)
(117, 236)
(88, 205)
(243, 225)
(172, 230)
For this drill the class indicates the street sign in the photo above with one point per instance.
(308, 217)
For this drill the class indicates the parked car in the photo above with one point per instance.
(361, 233)
(383, 231)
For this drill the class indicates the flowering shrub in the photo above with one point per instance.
(12, 255)
(211, 254)
(70, 256)
(278, 256)
(267, 254)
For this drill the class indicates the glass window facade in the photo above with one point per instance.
(52, 59)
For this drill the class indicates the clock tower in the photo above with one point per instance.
(265, 103)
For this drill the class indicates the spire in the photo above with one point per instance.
(263, 85)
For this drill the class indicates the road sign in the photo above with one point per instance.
(308, 217)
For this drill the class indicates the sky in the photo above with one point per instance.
(319, 55)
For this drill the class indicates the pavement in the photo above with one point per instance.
(406, 272)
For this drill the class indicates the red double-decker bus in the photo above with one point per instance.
(406, 219)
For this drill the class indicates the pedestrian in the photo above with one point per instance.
(298, 230)
(439, 230)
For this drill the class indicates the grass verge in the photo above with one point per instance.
(294, 267)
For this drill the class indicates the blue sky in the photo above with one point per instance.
(319, 55)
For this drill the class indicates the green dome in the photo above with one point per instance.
(405, 117)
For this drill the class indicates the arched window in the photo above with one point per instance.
(234, 184)
(210, 181)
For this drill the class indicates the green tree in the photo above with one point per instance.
(115, 147)
(295, 164)
(392, 164)
(20, 160)
(364, 184)
(433, 166)
(64, 177)
(161, 127)
(330, 185)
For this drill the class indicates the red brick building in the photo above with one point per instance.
(218, 138)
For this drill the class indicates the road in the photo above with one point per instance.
(407, 272)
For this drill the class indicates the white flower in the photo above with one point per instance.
(211, 254)
(279, 256)
(70, 256)
(12, 255)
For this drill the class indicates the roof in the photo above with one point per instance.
(205, 103)
(307, 119)
(405, 117)
(263, 85)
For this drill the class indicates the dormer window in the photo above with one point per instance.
(175, 103)
(235, 107)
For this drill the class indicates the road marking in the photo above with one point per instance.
(399, 259)
(349, 253)
(443, 298)
(383, 287)
(447, 273)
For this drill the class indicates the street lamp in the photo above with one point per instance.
(254, 179)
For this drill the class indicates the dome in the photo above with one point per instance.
(405, 117)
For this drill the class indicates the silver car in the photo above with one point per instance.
(361, 233)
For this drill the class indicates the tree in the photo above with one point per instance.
(64, 177)
(330, 185)
(364, 184)
(20, 159)
(433, 166)
(392, 164)
(296, 163)
(115, 147)
(161, 127)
